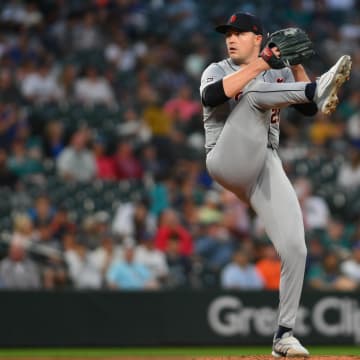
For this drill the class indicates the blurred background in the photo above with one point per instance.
(102, 177)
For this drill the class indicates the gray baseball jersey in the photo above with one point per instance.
(215, 117)
(242, 137)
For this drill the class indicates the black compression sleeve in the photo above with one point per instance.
(307, 109)
(214, 95)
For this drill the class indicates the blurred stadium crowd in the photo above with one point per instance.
(102, 178)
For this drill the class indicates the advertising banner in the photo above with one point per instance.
(170, 318)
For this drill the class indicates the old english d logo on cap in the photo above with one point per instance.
(242, 22)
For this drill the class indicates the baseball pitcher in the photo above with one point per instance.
(242, 97)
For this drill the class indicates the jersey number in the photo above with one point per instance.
(275, 116)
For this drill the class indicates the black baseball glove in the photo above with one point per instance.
(294, 45)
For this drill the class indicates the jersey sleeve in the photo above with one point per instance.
(288, 75)
(211, 74)
(306, 109)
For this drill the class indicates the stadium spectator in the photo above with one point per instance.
(351, 266)
(327, 275)
(336, 45)
(94, 89)
(169, 226)
(182, 107)
(85, 34)
(32, 16)
(122, 54)
(152, 258)
(105, 165)
(236, 216)
(82, 271)
(189, 217)
(13, 12)
(159, 123)
(106, 253)
(314, 208)
(316, 250)
(17, 271)
(54, 139)
(22, 50)
(130, 274)
(355, 236)
(347, 109)
(67, 80)
(93, 227)
(21, 163)
(11, 122)
(322, 130)
(132, 220)
(349, 172)
(76, 162)
(209, 211)
(61, 224)
(8, 178)
(154, 116)
(214, 244)
(27, 15)
(48, 253)
(9, 92)
(179, 265)
(269, 267)
(134, 128)
(127, 166)
(337, 238)
(183, 15)
(297, 14)
(43, 212)
(196, 61)
(185, 189)
(150, 162)
(24, 232)
(353, 119)
(160, 193)
(241, 274)
(41, 86)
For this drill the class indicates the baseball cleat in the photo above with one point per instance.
(328, 85)
(288, 346)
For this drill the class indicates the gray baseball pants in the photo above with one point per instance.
(241, 162)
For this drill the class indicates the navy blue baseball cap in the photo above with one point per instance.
(242, 22)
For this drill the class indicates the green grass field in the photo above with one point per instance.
(158, 352)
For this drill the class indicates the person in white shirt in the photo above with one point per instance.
(123, 54)
(154, 259)
(351, 267)
(42, 86)
(131, 220)
(107, 253)
(82, 271)
(314, 208)
(349, 172)
(76, 162)
(94, 89)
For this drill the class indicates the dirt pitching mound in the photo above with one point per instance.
(253, 357)
(268, 357)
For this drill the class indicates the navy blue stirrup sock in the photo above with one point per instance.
(281, 331)
(310, 90)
